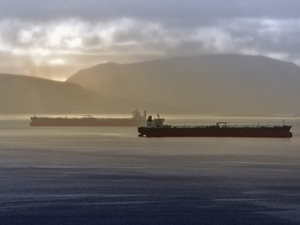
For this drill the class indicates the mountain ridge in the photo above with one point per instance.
(225, 83)
(25, 94)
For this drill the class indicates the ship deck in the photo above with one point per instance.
(228, 126)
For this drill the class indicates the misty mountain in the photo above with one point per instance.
(23, 94)
(218, 84)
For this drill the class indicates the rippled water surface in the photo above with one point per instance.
(107, 175)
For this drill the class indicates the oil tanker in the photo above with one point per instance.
(136, 120)
(156, 128)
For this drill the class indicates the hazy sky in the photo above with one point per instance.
(54, 39)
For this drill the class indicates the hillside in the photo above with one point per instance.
(218, 84)
(23, 94)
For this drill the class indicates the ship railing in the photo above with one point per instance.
(227, 126)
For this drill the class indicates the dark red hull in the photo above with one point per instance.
(215, 131)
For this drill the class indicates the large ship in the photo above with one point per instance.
(136, 120)
(156, 128)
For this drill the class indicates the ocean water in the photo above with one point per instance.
(108, 175)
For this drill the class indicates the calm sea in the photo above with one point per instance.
(108, 175)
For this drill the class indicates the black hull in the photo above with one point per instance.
(214, 131)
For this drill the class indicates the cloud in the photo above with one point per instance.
(76, 34)
(163, 11)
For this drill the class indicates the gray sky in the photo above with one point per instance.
(54, 39)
